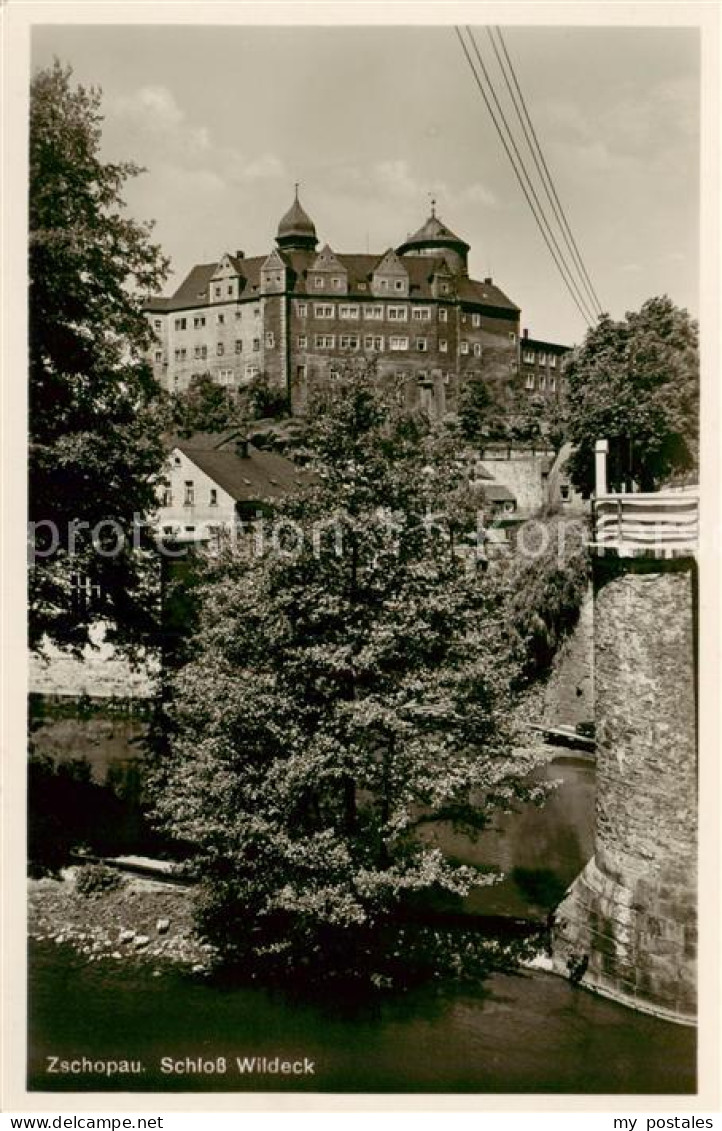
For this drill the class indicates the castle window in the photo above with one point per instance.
(421, 313)
(239, 345)
(325, 341)
(463, 347)
(477, 349)
(301, 309)
(221, 319)
(204, 351)
(422, 345)
(302, 341)
(220, 349)
(348, 341)
(251, 371)
(180, 323)
(398, 343)
(217, 292)
(530, 381)
(213, 501)
(476, 320)
(225, 376)
(167, 499)
(443, 315)
(337, 284)
(383, 284)
(269, 339)
(552, 382)
(323, 311)
(189, 493)
(463, 320)
(229, 289)
(374, 313)
(256, 344)
(348, 312)
(300, 372)
(158, 355)
(552, 361)
(198, 322)
(374, 343)
(443, 345)
(180, 355)
(512, 336)
(396, 313)
(542, 359)
(528, 357)
(197, 351)
(444, 288)
(542, 381)
(318, 282)
(399, 284)
(157, 324)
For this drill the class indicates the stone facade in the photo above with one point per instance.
(297, 314)
(631, 915)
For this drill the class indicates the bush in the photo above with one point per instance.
(97, 879)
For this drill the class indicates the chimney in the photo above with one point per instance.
(526, 333)
(242, 447)
(240, 254)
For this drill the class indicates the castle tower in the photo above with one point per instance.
(296, 230)
(627, 927)
(435, 239)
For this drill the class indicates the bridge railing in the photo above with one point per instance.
(661, 524)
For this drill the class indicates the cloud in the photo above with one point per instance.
(244, 170)
(154, 115)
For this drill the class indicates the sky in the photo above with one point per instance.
(374, 121)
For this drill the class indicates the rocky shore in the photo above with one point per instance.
(142, 921)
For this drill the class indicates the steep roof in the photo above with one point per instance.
(433, 233)
(255, 476)
(194, 290)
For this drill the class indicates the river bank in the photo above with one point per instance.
(143, 921)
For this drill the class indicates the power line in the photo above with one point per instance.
(536, 210)
(569, 276)
(546, 177)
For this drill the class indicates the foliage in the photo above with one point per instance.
(480, 416)
(95, 417)
(349, 685)
(541, 589)
(636, 384)
(205, 406)
(97, 879)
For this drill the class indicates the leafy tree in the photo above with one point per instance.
(95, 418)
(636, 384)
(205, 406)
(480, 415)
(350, 686)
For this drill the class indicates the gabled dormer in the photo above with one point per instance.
(224, 284)
(274, 274)
(327, 274)
(442, 282)
(390, 278)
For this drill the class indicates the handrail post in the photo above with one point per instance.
(601, 451)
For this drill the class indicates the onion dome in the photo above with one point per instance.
(296, 229)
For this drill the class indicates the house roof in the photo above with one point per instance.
(433, 233)
(498, 493)
(537, 344)
(194, 291)
(256, 475)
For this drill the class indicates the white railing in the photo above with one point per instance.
(664, 523)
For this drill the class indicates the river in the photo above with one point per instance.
(526, 1033)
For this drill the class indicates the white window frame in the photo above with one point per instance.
(348, 341)
(269, 340)
(476, 320)
(464, 347)
(443, 345)
(530, 381)
(397, 313)
(443, 314)
(552, 361)
(398, 343)
(323, 310)
(325, 341)
(374, 343)
(421, 313)
(348, 312)
(528, 357)
(374, 313)
(422, 345)
(302, 309)
(303, 341)
(477, 349)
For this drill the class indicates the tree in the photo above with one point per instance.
(205, 406)
(350, 687)
(636, 384)
(95, 416)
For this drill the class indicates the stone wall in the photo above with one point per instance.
(523, 477)
(632, 913)
(99, 674)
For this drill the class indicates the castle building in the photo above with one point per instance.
(297, 314)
